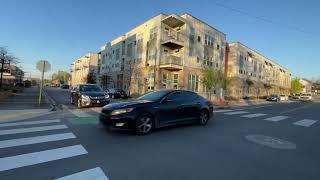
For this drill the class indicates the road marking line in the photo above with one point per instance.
(236, 112)
(222, 110)
(22, 160)
(90, 174)
(254, 107)
(276, 118)
(79, 113)
(33, 129)
(29, 123)
(305, 122)
(254, 115)
(35, 140)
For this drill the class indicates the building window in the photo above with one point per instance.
(209, 40)
(218, 46)
(191, 44)
(117, 54)
(193, 82)
(199, 39)
(129, 50)
(153, 33)
(198, 59)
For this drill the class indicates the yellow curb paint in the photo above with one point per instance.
(6, 116)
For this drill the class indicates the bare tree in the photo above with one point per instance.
(5, 59)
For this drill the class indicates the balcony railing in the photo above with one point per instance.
(172, 41)
(171, 63)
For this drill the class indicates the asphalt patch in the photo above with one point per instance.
(270, 141)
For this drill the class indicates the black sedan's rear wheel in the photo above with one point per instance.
(204, 117)
(144, 124)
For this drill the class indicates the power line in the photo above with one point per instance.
(264, 19)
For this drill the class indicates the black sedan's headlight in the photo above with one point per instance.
(121, 111)
(85, 97)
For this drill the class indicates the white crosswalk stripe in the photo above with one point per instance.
(36, 140)
(276, 118)
(254, 115)
(48, 155)
(236, 112)
(32, 129)
(305, 122)
(22, 160)
(29, 123)
(90, 174)
(222, 110)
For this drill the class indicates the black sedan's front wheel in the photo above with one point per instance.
(204, 117)
(79, 104)
(144, 124)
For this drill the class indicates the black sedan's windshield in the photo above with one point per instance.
(153, 96)
(90, 88)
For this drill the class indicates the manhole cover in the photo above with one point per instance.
(270, 141)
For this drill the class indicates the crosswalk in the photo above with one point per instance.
(266, 117)
(46, 129)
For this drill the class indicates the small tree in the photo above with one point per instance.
(61, 76)
(212, 78)
(296, 86)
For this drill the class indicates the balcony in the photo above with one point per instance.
(174, 42)
(173, 21)
(171, 63)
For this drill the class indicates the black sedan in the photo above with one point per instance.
(117, 93)
(157, 109)
(274, 98)
(85, 95)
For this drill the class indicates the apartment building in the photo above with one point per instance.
(306, 85)
(165, 52)
(84, 69)
(252, 74)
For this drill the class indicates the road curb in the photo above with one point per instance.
(52, 102)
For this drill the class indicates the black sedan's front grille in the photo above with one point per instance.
(97, 97)
(106, 112)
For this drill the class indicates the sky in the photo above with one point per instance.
(61, 31)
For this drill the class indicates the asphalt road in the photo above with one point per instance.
(274, 141)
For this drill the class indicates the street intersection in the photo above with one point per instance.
(272, 141)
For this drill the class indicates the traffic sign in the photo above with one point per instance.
(43, 66)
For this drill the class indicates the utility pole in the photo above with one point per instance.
(41, 84)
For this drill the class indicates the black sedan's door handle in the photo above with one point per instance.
(181, 107)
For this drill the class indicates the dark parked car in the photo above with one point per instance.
(157, 109)
(117, 93)
(85, 95)
(64, 86)
(273, 97)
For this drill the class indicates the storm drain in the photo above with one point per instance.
(270, 141)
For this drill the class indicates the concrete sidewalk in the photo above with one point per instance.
(28, 99)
